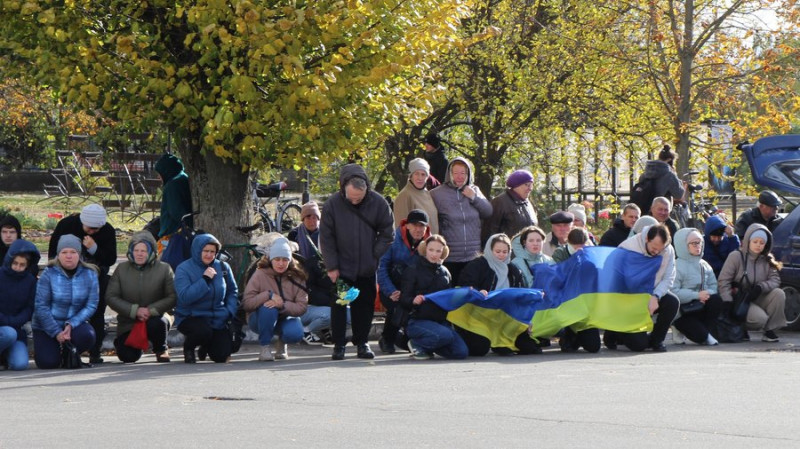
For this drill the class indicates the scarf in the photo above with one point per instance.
(305, 242)
(500, 268)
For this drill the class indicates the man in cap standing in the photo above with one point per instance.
(99, 247)
(765, 212)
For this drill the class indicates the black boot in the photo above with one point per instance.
(188, 355)
(364, 352)
(338, 353)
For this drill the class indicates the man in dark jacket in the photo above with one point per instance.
(10, 231)
(719, 242)
(765, 213)
(99, 247)
(176, 197)
(358, 228)
(622, 226)
(434, 154)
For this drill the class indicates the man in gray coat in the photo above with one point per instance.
(358, 228)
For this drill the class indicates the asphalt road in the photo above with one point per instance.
(730, 396)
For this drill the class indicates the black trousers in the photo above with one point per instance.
(588, 339)
(98, 320)
(157, 328)
(217, 342)
(639, 341)
(362, 310)
(696, 326)
(477, 345)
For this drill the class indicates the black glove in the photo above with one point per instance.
(754, 293)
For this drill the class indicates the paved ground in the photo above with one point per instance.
(737, 395)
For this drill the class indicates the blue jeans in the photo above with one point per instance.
(47, 350)
(268, 322)
(432, 337)
(14, 351)
(317, 318)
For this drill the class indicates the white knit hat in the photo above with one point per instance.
(93, 216)
(419, 164)
(578, 211)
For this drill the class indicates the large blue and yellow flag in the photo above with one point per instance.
(599, 287)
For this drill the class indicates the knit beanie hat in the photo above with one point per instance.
(68, 241)
(762, 234)
(93, 216)
(280, 248)
(578, 210)
(433, 140)
(518, 178)
(310, 208)
(419, 164)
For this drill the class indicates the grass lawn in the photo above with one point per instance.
(39, 215)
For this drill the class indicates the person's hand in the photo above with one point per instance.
(484, 293)
(418, 299)
(276, 302)
(65, 335)
(395, 296)
(88, 242)
(652, 305)
(210, 272)
(755, 292)
(333, 274)
(703, 296)
(143, 314)
(729, 230)
(468, 192)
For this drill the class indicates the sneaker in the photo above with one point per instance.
(311, 338)
(770, 336)
(711, 341)
(678, 338)
(364, 352)
(417, 354)
(280, 350)
(386, 347)
(266, 354)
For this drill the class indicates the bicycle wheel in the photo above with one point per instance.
(264, 221)
(290, 217)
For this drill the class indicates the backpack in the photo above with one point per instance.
(643, 193)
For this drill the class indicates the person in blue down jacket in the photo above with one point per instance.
(18, 283)
(66, 297)
(719, 242)
(695, 280)
(207, 301)
(462, 207)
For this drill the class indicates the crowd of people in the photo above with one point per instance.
(432, 240)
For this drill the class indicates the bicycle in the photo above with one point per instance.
(287, 211)
(696, 212)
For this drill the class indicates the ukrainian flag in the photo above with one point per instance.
(598, 287)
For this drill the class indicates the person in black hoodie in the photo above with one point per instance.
(99, 247)
(10, 231)
(428, 330)
(621, 229)
(434, 154)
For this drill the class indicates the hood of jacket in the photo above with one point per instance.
(146, 238)
(21, 246)
(746, 240)
(656, 169)
(713, 223)
(681, 247)
(10, 220)
(169, 166)
(200, 241)
(470, 176)
(350, 171)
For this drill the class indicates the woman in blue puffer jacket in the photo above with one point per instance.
(207, 301)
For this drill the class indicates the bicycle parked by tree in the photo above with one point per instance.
(274, 212)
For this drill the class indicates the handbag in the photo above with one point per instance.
(728, 330)
(692, 306)
(137, 337)
(70, 357)
(741, 303)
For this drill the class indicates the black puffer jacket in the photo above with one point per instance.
(616, 235)
(478, 275)
(420, 278)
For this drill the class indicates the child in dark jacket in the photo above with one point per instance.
(428, 329)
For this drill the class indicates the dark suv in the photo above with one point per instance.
(775, 163)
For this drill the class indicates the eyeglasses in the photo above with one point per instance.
(695, 243)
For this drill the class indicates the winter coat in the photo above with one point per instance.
(19, 289)
(754, 216)
(525, 261)
(616, 235)
(176, 197)
(460, 217)
(665, 276)
(716, 255)
(348, 244)
(321, 290)
(759, 271)
(396, 259)
(132, 286)
(422, 277)
(9, 220)
(106, 239)
(692, 273)
(667, 182)
(61, 299)
(266, 281)
(214, 300)
(478, 275)
(438, 162)
(509, 216)
(411, 198)
(550, 244)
